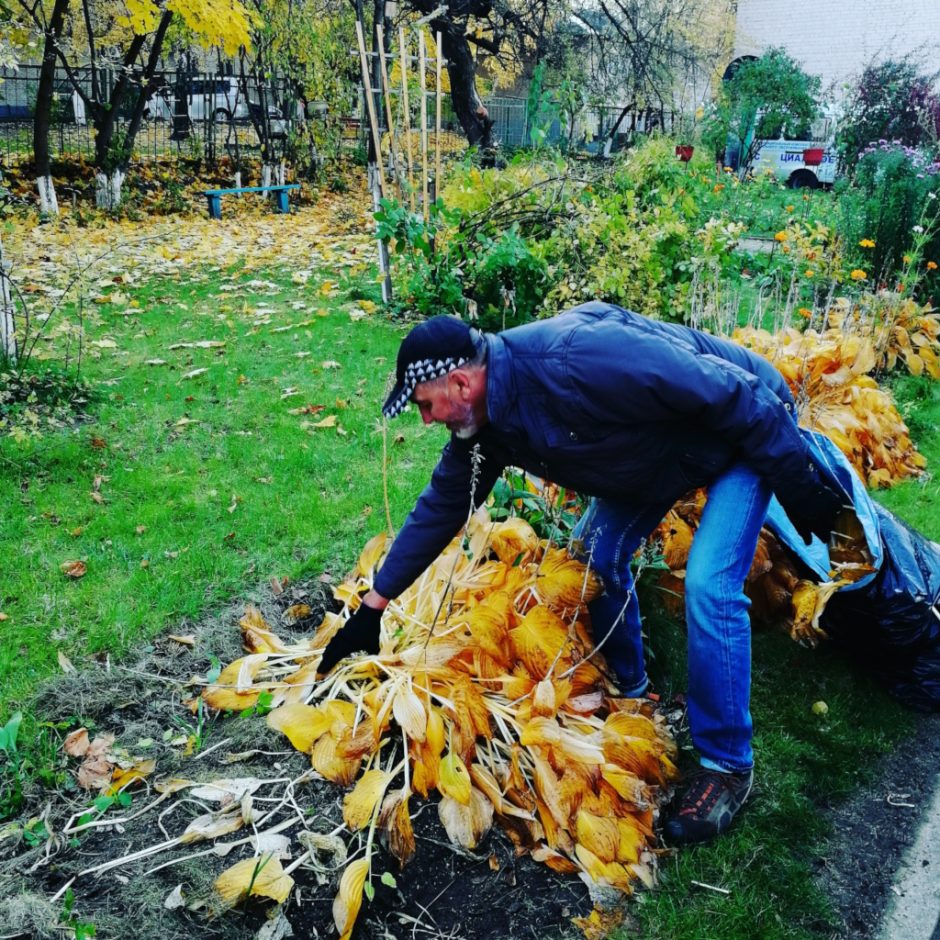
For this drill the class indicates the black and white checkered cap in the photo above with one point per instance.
(432, 349)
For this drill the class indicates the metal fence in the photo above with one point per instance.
(209, 115)
(201, 115)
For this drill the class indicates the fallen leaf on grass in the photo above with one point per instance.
(74, 569)
(184, 421)
(96, 497)
(255, 877)
(188, 639)
(122, 777)
(139, 530)
(174, 899)
(103, 344)
(194, 373)
(201, 344)
(76, 743)
(328, 422)
(3, 616)
(293, 613)
(155, 362)
(330, 364)
(64, 662)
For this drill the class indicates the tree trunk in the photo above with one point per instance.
(461, 68)
(8, 349)
(48, 204)
(108, 188)
(43, 113)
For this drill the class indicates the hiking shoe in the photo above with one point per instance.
(710, 802)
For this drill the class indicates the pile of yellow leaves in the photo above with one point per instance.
(487, 689)
(830, 376)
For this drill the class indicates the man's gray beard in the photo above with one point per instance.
(467, 431)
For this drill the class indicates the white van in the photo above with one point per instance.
(796, 162)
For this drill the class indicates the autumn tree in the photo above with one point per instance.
(652, 56)
(128, 37)
(764, 98)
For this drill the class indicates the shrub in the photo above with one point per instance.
(890, 102)
(890, 201)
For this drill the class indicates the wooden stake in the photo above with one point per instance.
(404, 97)
(437, 123)
(377, 174)
(422, 64)
(395, 169)
(370, 104)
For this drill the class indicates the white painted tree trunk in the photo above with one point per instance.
(48, 204)
(108, 189)
(281, 173)
(267, 174)
(238, 179)
(7, 332)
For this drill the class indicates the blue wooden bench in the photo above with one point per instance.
(215, 196)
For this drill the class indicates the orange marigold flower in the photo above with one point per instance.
(788, 208)
(908, 259)
(931, 265)
(857, 274)
(805, 312)
(781, 237)
(867, 243)
(809, 272)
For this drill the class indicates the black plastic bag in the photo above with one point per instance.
(892, 624)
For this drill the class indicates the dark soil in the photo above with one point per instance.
(446, 893)
(873, 829)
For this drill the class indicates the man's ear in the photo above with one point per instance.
(459, 382)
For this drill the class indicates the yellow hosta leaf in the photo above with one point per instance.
(538, 640)
(396, 820)
(256, 634)
(512, 538)
(600, 835)
(409, 712)
(565, 583)
(326, 761)
(633, 839)
(371, 555)
(455, 779)
(232, 690)
(360, 804)
(255, 877)
(466, 824)
(347, 902)
(303, 724)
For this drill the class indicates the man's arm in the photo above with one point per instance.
(441, 510)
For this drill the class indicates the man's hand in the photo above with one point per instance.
(816, 512)
(360, 632)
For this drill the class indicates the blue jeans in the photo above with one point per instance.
(715, 606)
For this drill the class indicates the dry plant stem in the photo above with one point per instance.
(68, 829)
(214, 747)
(388, 508)
(222, 848)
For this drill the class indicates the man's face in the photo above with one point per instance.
(442, 402)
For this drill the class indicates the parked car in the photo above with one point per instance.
(219, 99)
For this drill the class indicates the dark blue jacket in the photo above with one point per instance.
(611, 404)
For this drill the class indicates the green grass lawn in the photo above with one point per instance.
(187, 489)
(202, 475)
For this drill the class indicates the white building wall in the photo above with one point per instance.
(836, 39)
